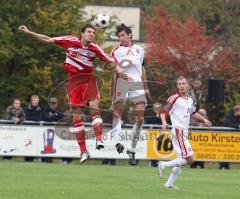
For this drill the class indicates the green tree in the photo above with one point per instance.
(30, 67)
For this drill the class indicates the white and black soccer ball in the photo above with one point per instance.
(102, 20)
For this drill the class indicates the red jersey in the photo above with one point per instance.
(79, 59)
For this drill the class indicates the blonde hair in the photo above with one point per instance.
(181, 78)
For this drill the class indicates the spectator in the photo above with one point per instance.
(33, 110)
(232, 120)
(50, 114)
(195, 122)
(154, 119)
(33, 113)
(15, 112)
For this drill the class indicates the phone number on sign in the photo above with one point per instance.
(231, 157)
(213, 156)
(206, 156)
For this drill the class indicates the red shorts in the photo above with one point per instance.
(81, 89)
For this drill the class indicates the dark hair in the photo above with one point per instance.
(84, 28)
(123, 27)
(16, 99)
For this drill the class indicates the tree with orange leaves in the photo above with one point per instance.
(176, 47)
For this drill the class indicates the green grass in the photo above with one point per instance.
(20, 180)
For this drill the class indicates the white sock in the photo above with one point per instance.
(179, 162)
(116, 125)
(176, 171)
(136, 130)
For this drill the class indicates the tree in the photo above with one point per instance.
(30, 67)
(182, 47)
(221, 17)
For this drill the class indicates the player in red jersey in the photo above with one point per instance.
(82, 85)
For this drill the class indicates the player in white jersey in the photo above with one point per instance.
(180, 107)
(129, 57)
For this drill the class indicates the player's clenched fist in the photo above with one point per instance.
(207, 122)
(23, 28)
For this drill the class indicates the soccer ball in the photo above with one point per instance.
(102, 20)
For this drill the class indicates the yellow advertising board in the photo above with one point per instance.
(207, 146)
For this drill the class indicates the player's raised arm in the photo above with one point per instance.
(40, 37)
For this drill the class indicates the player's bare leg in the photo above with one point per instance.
(137, 127)
(116, 124)
(190, 160)
(80, 133)
(96, 122)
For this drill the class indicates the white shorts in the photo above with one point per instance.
(180, 143)
(132, 91)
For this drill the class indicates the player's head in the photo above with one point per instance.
(16, 103)
(88, 32)
(34, 100)
(124, 34)
(182, 85)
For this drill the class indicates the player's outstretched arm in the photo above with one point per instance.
(40, 37)
(201, 118)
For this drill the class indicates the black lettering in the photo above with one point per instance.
(168, 146)
(159, 143)
(214, 137)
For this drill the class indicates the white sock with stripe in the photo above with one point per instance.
(116, 125)
(176, 171)
(178, 162)
(136, 130)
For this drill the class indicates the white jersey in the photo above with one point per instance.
(130, 60)
(180, 110)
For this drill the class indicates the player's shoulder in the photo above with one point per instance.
(173, 97)
(191, 98)
(95, 46)
(115, 49)
(138, 47)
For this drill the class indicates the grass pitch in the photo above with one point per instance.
(20, 180)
